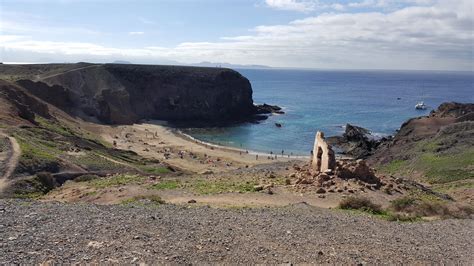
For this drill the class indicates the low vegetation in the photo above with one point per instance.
(35, 186)
(441, 169)
(423, 207)
(117, 180)
(155, 170)
(154, 199)
(166, 184)
(362, 204)
(409, 209)
(208, 186)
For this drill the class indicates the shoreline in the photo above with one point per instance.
(210, 145)
(187, 137)
(157, 140)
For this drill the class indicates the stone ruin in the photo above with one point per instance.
(324, 159)
(326, 174)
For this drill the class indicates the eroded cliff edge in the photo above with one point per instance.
(123, 94)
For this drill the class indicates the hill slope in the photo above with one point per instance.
(54, 147)
(438, 149)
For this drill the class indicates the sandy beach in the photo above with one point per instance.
(158, 141)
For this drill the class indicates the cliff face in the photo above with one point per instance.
(17, 104)
(118, 94)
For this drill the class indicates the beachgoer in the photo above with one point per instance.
(256, 156)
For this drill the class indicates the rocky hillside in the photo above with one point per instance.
(122, 94)
(437, 149)
(53, 147)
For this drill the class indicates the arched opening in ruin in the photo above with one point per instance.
(319, 156)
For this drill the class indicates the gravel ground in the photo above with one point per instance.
(36, 232)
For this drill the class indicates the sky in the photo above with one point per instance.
(323, 34)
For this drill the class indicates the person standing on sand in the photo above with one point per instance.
(256, 157)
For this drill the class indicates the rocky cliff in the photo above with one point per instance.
(122, 94)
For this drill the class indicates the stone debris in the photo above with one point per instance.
(326, 174)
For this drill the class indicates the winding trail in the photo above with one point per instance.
(10, 162)
(38, 77)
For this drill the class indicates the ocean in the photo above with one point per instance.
(327, 100)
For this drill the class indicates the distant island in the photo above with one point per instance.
(228, 65)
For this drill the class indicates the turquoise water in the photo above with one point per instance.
(327, 100)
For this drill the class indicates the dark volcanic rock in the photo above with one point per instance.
(356, 142)
(55, 95)
(267, 109)
(453, 109)
(26, 106)
(121, 94)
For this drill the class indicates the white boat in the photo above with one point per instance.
(420, 106)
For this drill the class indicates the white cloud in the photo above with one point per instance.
(437, 36)
(295, 5)
(136, 33)
(146, 21)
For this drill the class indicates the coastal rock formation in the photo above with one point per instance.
(123, 93)
(356, 142)
(438, 148)
(449, 128)
(453, 109)
(323, 156)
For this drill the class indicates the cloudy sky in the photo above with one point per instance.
(327, 34)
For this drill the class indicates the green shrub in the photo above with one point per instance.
(402, 203)
(155, 199)
(85, 178)
(360, 203)
(156, 170)
(46, 179)
(167, 184)
(402, 217)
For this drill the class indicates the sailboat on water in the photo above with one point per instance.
(421, 105)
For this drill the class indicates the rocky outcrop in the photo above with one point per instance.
(55, 95)
(449, 128)
(356, 142)
(453, 109)
(122, 94)
(267, 109)
(20, 104)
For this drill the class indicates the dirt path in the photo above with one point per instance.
(62, 73)
(10, 162)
